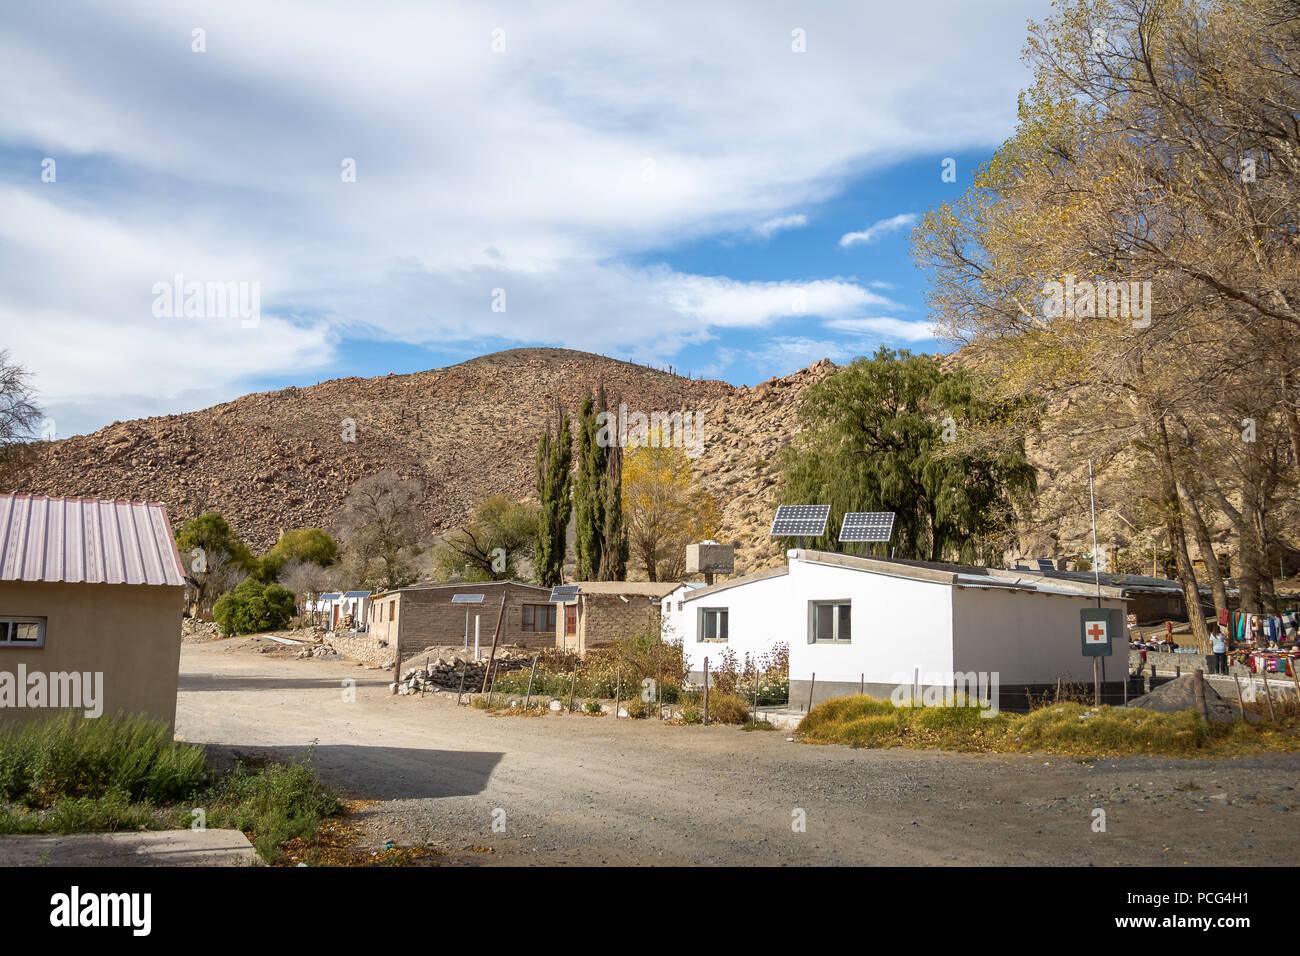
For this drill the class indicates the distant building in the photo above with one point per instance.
(609, 611)
(91, 597)
(426, 615)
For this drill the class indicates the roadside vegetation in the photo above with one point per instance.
(1067, 728)
(67, 774)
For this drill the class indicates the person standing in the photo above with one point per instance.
(1219, 645)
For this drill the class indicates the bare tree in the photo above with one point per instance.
(380, 529)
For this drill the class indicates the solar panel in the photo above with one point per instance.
(867, 526)
(564, 594)
(1045, 564)
(800, 521)
(467, 599)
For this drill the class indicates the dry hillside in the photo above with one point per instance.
(277, 460)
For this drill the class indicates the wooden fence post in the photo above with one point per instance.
(529, 696)
(706, 692)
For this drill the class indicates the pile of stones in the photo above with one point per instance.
(442, 674)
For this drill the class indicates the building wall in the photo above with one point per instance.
(606, 618)
(129, 633)
(757, 619)
(900, 625)
(1027, 638)
(427, 617)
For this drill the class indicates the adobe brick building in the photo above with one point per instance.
(422, 616)
(609, 611)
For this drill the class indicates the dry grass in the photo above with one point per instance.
(1067, 728)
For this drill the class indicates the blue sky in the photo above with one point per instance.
(669, 183)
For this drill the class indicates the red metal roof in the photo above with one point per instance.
(87, 540)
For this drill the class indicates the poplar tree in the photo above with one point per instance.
(554, 488)
(588, 496)
(614, 544)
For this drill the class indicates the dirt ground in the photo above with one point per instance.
(592, 790)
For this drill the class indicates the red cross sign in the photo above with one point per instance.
(1097, 632)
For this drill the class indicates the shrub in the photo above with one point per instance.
(592, 707)
(727, 709)
(274, 804)
(71, 756)
(254, 606)
(690, 715)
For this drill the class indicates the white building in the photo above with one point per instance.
(671, 609)
(875, 623)
(335, 607)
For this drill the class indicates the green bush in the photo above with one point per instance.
(71, 756)
(254, 606)
(274, 804)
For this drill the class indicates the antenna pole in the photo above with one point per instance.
(1096, 571)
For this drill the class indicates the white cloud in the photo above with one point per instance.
(886, 327)
(524, 170)
(878, 229)
(765, 230)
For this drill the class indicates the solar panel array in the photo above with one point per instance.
(467, 599)
(564, 593)
(867, 526)
(800, 521)
(1045, 564)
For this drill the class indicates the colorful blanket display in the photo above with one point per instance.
(1270, 664)
(1240, 624)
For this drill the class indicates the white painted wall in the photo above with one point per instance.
(899, 624)
(758, 618)
(1028, 638)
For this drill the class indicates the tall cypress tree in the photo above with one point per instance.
(588, 497)
(613, 535)
(554, 486)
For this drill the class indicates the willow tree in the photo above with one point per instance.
(886, 434)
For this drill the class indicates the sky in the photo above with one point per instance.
(727, 189)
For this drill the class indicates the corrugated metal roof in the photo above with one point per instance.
(87, 540)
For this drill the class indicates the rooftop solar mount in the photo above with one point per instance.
(1045, 564)
(564, 594)
(867, 526)
(800, 521)
(467, 599)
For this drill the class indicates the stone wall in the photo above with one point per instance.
(361, 647)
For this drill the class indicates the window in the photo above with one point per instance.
(22, 632)
(538, 618)
(570, 620)
(713, 625)
(392, 611)
(829, 622)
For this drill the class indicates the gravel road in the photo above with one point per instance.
(590, 790)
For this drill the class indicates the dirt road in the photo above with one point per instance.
(589, 790)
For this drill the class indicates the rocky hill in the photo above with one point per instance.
(278, 460)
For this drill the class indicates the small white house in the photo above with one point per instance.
(671, 609)
(335, 607)
(875, 624)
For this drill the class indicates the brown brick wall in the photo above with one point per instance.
(606, 618)
(427, 617)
